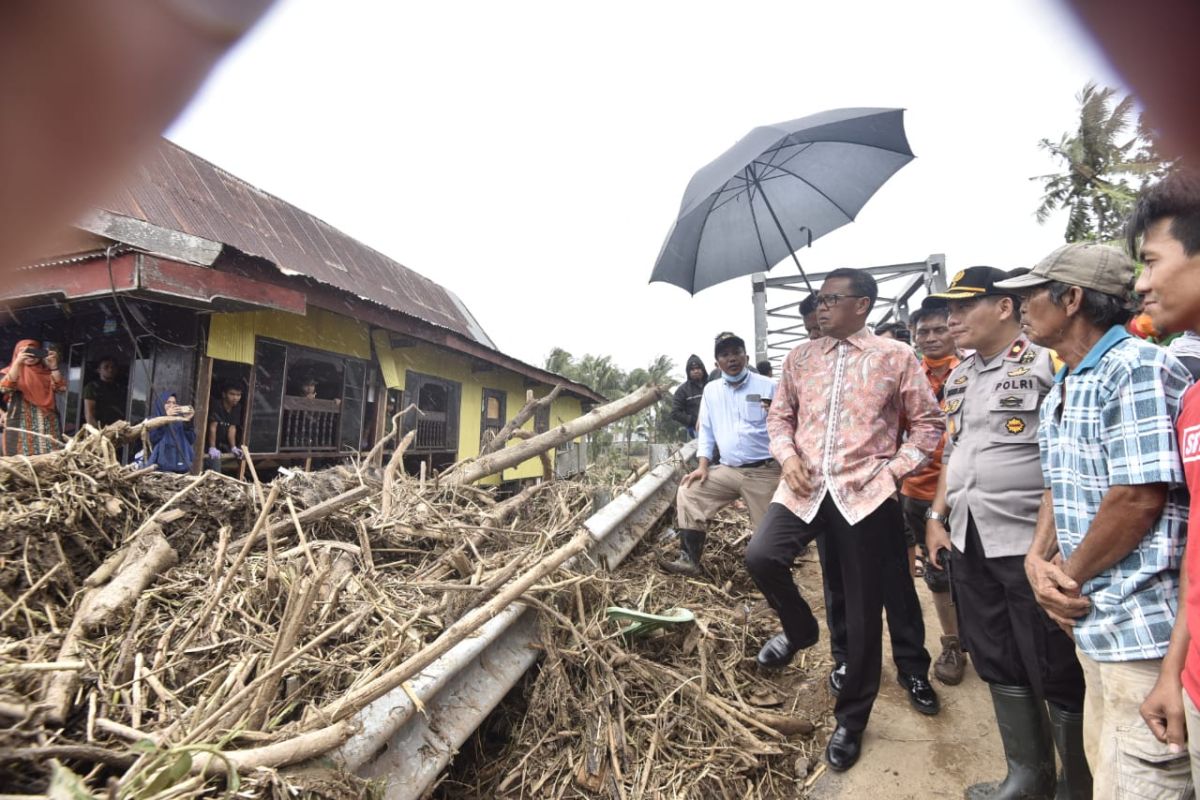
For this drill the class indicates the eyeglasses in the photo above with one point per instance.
(831, 300)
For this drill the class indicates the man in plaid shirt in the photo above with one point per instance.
(1106, 556)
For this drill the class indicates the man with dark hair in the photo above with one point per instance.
(685, 406)
(808, 314)
(900, 600)
(980, 524)
(104, 398)
(224, 426)
(1165, 233)
(733, 417)
(836, 426)
(939, 356)
(765, 369)
(894, 330)
(1106, 553)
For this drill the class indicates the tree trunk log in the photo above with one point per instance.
(149, 557)
(527, 411)
(594, 419)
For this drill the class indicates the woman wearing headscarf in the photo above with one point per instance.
(172, 445)
(29, 384)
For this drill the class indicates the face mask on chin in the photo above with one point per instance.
(735, 379)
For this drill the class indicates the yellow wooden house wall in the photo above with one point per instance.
(231, 338)
(394, 362)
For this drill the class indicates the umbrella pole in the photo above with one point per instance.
(786, 240)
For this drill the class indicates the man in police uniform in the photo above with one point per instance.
(989, 493)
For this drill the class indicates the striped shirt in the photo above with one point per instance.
(1116, 427)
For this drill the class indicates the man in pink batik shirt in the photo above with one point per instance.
(835, 425)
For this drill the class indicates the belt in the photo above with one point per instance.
(766, 462)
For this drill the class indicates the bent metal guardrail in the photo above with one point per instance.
(408, 749)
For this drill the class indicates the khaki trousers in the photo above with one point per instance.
(1126, 760)
(1193, 731)
(695, 505)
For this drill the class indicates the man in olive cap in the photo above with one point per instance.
(982, 516)
(1107, 551)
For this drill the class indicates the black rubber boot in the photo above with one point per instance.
(691, 547)
(1028, 748)
(1075, 779)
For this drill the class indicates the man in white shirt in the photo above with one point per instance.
(733, 416)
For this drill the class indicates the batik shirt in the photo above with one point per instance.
(839, 407)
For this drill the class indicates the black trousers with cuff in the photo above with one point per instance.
(1011, 639)
(864, 553)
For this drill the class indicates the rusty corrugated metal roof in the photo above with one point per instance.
(179, 190)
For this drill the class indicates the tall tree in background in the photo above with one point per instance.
(601, 374)
(1104, 163)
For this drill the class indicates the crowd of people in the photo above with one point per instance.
(31, 419)
(1026, 455)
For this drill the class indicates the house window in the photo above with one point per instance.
(306, 401)
(493, 415)
(438, 401)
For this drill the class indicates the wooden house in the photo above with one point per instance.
(191, 279)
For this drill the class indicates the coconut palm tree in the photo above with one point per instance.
(1099, 161)
(560, 362)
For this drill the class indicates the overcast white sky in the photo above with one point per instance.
(531, 156)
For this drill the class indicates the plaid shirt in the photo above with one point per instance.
(1117, 427)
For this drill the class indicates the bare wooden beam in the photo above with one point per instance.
(174, 245)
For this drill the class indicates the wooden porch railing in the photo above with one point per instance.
(309, 425)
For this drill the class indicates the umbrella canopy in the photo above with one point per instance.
(779, 188)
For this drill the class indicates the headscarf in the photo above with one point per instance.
(34, 381)
(173, 443)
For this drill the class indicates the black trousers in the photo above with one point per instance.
(1011, 640)
(906, 624)
(864, 553)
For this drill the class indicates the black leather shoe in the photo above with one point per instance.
(843, 749)
(921, 695)
(837, 677)
(779, 651)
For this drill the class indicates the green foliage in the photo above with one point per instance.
(1104, 163)
(603, 376)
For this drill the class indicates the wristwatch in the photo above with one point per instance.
(931, 514)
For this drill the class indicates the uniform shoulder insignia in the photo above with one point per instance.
(952, 405)
(1019, 349)
(1015, 425)
(960, 380)
(1018, 372)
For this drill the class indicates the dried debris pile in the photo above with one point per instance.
(682, 712)
(168, 636)
(149, 620)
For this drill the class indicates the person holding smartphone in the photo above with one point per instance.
(29, 385)
(172, 446)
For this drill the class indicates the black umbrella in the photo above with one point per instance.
(778, 188)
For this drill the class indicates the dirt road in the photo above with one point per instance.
(908, 755)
